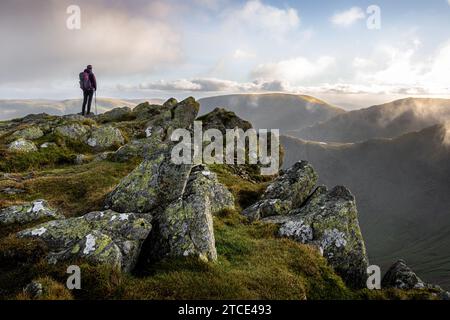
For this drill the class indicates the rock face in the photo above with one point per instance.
(115, 115)
(325, 219)
(105, 137)
(141, 148)
(22, 146)
(329, 220)
(287, 192)
(401, 276)
(99, 237)
(153, 183)
(30, 133)
(73, 131)
(185, 227)
(28, 212)
(222, 120)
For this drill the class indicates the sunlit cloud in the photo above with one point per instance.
(348, 17)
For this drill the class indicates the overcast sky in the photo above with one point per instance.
(159, 49)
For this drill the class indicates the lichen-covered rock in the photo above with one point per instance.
(222, 120)
(98, 237)
(294, 184)
(154, 183)
(47, 145)
(105, 137)
(73, 131)
(34, 289)
(29, 133)
(185, 227)
(81, 159)
(184, 113)
(172, 102)
(287, 192)
(22, 146)
(329, 221)
(146, 111)
(115, 115)
(266, 208)
(203, 181)
(141, 148)
(401, 276)
(28, 212)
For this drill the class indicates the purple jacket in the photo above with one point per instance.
(92, 78)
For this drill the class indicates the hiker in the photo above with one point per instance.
(88, 84)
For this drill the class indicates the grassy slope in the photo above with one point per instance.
(253, 262)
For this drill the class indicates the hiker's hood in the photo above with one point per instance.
(87, 70)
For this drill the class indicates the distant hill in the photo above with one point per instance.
(402, 190)
(11, 109)
(383, 121)
(274, 111)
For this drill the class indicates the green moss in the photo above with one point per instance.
(74, 190)
(48, 157)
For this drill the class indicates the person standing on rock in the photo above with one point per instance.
(88, 83)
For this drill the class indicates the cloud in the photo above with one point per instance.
(348, 17)
(242, 54)
(293, 70)
(265, 18)
(401, 66)
(209, 85)
(116, 41)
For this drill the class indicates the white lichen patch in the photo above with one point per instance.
(38, 232)
(90, 244)
(123, 216)
(297, 230)
(206, 173)
(333, 237)
(148, 132)
(92, 142)
(114, 217)
(37, 206)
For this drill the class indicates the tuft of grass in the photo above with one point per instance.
(74, 190)
(44, 158)
(52, 290)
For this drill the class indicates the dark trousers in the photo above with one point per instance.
(87, 99)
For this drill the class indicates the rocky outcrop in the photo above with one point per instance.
(115, 115)
(287, 192)
(185, 227)
(28, 212)
(155, 182)
(222, 120)
(329, 221)
(141, 148)
(401, 276)
(73, 131)
(98, 237)
(22, 146)
(29, 133)
(184, 113)
(105, 137)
